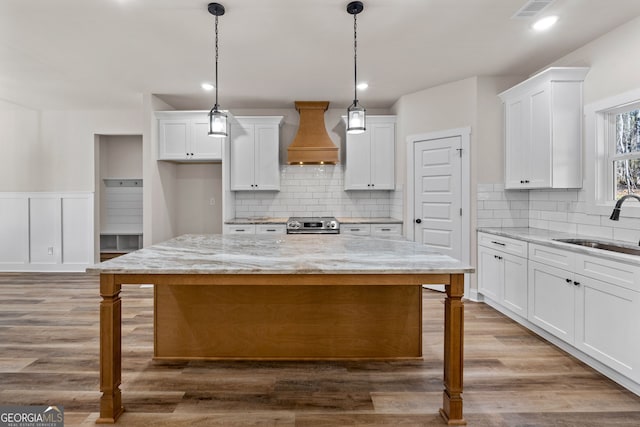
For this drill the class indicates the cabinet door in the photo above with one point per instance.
(267, 158)
(386, 230)
(174, 138)
(203, 146)
(607, 322)
(357, 174)
(242, 157)
(383, 156)
(539, 127)
(552, 300)
(239, 229)
(356, 229)
(514, 290)
(271, 229)
(516, 143)
(490, 274)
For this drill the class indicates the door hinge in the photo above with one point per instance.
(460, 211)
(459, 150)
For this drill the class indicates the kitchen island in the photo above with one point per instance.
(284, 297)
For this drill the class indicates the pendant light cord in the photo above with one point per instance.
(216, 105)
(355, 58)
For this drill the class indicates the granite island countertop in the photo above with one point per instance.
(283, 254)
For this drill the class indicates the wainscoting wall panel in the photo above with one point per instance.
(46, 231)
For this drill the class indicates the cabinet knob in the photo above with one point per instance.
(418, 221)
(576, 283)
(567, 280)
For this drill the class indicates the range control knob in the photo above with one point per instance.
(293, 225)
(333, 225)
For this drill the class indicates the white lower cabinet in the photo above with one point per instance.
(356, 229)
(502, 277)
(254, 229)
(372, 229)
(608, 323)
(552, 300)
(590, 303)
(239, 229)
(271, 229)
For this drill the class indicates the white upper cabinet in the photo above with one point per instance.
(182, 137)
(370, 156)
(543, 130)
(255, 153)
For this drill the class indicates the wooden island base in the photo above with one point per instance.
(288, 322)
(309, 315)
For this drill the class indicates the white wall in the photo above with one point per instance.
(159, 195)
(123, 156)
(21, 157)
(197, 185)
(613, 62)
(67, 146)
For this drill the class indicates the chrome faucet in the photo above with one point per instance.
(615, 215)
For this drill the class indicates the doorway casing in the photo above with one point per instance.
(465, 136)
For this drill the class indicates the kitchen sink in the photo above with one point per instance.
(607, 246)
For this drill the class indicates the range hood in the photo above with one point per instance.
(312, 144)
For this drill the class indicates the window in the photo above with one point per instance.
(623, 141)
(612, 156)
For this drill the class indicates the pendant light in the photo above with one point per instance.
(356, 114)
(217, 119)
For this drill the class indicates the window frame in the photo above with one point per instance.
(611, 145)
(600, 142)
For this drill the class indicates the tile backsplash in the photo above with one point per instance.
(317, 190)
(558, 210)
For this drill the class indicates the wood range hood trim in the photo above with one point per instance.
(312, 144)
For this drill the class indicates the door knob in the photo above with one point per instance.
(418, 221)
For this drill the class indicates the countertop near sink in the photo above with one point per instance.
(362, 220)
(545, 237)
(256, 220)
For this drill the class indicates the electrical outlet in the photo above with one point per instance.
(50, 250)
(212, 201)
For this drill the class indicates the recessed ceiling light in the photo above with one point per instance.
(362, 86)
(207, 86)
(545, 23)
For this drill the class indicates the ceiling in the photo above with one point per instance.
(103, 54)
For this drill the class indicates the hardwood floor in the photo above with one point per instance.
(49, 355)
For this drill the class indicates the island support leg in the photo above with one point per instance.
(451, 409)
(110, 350)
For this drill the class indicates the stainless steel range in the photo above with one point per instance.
(313, 225)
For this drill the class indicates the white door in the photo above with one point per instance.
(438, 195)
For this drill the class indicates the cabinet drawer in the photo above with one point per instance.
(270, 229)
(504, 244)
(619, 273)
(552, 256)
(357, 229)
(386, 229)
(239, 229)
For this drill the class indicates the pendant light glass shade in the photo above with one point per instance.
(217, 123)
(217, 119)
(356, 118)
(356, 113)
